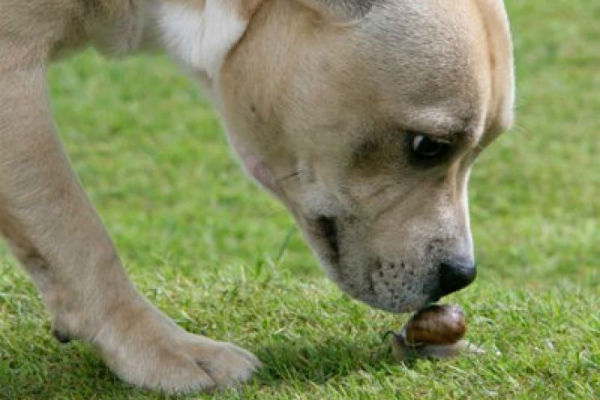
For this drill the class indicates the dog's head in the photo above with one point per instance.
(364, 118)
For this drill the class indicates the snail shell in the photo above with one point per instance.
(436, 325)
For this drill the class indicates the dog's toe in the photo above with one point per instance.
(226, 363)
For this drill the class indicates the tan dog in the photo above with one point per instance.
(363, 116)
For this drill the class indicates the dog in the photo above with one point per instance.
(363, 117)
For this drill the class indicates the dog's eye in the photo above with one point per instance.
(426, 148)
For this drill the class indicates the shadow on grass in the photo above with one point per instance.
(73, 371)
(77, 370)
(322, 359)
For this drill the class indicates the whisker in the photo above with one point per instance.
(294, 174)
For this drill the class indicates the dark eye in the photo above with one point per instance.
(427, 148)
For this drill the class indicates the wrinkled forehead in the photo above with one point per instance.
(428, 64)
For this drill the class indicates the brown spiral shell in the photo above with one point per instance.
(436, 324)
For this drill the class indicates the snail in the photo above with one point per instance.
(436, 331)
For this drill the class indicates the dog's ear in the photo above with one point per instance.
(340, 10)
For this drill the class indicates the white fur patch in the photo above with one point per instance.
(200, 39)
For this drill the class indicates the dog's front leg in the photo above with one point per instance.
(54, 231)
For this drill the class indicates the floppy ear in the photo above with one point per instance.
(340, 10)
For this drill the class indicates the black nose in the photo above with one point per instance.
(455, 276)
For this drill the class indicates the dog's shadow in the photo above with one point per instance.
(318, 360)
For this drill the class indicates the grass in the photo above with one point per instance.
(196, 234)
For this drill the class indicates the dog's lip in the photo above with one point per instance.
(434, 298)
(329, 232)
(325, 230)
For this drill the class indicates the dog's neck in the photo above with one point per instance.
(199, 35)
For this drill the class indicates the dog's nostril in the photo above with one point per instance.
(455, 276)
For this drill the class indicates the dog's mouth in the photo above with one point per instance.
(326, 230)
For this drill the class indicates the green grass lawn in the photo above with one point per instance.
(196, 235)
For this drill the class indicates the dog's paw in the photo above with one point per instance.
(159, 355)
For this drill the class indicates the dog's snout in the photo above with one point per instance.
(456, 275)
